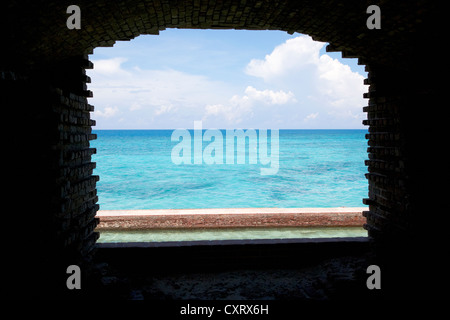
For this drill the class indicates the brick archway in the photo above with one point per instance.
(47, 61)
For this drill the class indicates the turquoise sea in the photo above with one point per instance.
(317, 168)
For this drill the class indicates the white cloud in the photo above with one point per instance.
(110, 66)
(311, 116)
(269, 96)
(164, 109)
(290, 87)
(135, 106)
(341, 87)
(240, 107)
(327, 83)
(107, 112)
(231, 113)
(149, 98)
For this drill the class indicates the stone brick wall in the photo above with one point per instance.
(386, 163)
(405, 219)
(53, 186)
(341, 23)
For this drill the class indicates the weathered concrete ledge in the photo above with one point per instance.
(230, 218)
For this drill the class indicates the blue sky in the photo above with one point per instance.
(227, 79)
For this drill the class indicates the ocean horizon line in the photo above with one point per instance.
(340, 129)
(231, 210)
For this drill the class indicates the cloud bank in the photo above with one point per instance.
(294, 86)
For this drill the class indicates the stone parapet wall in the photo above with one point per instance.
(54, 188)
(229, 218)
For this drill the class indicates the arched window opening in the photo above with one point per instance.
(167, 108)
